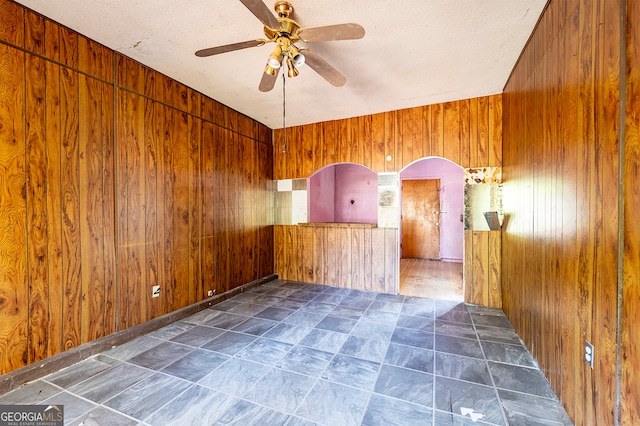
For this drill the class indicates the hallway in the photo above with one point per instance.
(288, 353)
(431, 278)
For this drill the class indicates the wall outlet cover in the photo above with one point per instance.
(155, 291)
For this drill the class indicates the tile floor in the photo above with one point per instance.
(288, 353)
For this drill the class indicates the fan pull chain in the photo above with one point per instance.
(284, 110)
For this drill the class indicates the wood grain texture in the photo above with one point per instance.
(355, 258)
(12, 23)
(467, 132)
(115, 178)
(14, 311)
(630, 407)
(560, 245)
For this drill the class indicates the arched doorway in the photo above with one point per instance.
(432, 229)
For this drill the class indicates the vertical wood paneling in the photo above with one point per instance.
(54, 219)
(11, 23)
(13, 253)
(560, 246)
(102, 156)
(91, 210)
(71, 250)
(37, 209)
(630, 406)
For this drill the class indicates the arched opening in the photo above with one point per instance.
(432, 229)
(343, 192)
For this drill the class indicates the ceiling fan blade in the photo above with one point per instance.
(332, 32)
(268, 81)
(262, 12)
(323, 68)
(229, 48)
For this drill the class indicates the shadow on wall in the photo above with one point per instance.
(451, 178)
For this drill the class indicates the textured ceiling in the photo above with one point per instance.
(414, 52)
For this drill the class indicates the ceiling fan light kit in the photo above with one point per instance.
(284, 32)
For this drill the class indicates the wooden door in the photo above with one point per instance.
(421, 219)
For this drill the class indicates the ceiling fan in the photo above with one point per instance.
(285, 32)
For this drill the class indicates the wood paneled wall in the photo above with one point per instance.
(115, 178)
(560, 168)
(482, 272)
(467, 132)
(630, 334)
(354, 257)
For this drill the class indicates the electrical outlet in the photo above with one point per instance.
(211, 293)
(589, 354)
(155, 292)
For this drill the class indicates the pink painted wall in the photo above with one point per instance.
(451, 201)
(345, 193)
(321, 195)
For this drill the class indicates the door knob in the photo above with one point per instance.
(437, 223)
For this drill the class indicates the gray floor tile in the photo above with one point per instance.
(492, 320)
(385, 411)
(195, 365)
(386, 306)
(372, 330)
(441, 418)
(244, 413)
(402, 383)
(226, 320)
(417, 323)
(234, 377)
(304, 318)
(30, 393)
(192, 406)
(255, 326)
(458, 346)
(105, 385)
(412, 337)
(334, 404)
(456, 329)
(102, 416)
(462, 368)
(304, 360)
(74, 406)
(288, 333)
(347, 312)
(133, 348)
(274, 313)
(376, 359)
(265, 351)
(81, 371)
(326, 340)
(494, 334)
(508, 354)
(410, 357)
(351, 371)
(363, 348)
(171, 330)
(280, 390)
(524, 409)
(459, 397)
(148, 395)
(197, 336)
(162, 355)
(229, 343)
(340, 325)
(521, 379)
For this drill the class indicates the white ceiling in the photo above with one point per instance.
(414, 52)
